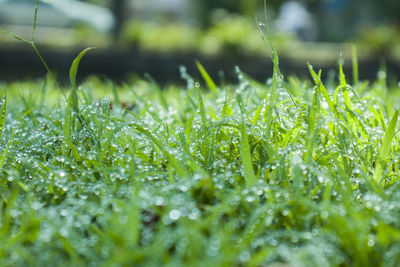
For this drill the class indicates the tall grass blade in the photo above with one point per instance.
(245, 154)
(19, 38)
(257, 113)
(35, 21)
(313, 111)
(342, 78)
(343, 85)
(321, 87)
(206, 77)
(202, 109)
(355, 64)
(74, 150)
(3, 115)
(385, 147)
(4, 154)
(273, 53)
(32, 43)
(272, 95)
(72, 76)
(67, 127)
(188, 130)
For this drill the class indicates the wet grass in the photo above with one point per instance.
(289, 171)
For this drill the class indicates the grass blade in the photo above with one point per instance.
(342, 77)
(321, 87)
(35, 21)
(272, 97)
(67, 127)
(74, 150)
(313, 111)
(355, 64)
(245, 154)
(19, 38)
(385, 147)
(206, 77)
(3, 115)
(257, 113)
(156, 140)
(202, 109)
(72, 76)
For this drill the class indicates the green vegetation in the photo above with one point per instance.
(233, 34)
(294, 172)
(288, 171)
(228, 34)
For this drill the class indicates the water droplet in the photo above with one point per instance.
(295, 239)
(194, 214)
(250, 199)
(159, 201)
(64, 213)
(183, 188)
(371, 242)
(245, 256)
(285, 212)
(325, 105)
(273, 242)
(261, 24)
(197, 84)
(174, 215)
(324, 214)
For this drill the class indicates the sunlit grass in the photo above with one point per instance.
(288, 171)
(243, 174)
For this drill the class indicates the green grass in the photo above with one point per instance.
(241, 174)
(254, 174)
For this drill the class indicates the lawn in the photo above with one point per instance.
(290, 172)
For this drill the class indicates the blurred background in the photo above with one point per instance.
(157, 36)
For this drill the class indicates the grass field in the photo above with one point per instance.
(284, 173)
(290, 171)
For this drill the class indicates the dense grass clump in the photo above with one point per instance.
(252, 174)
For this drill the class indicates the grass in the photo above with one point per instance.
(286, 172)
(241, 174)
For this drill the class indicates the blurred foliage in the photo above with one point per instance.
(248, 7)
(230, 33)
(337, 19)
(244, 7)
(227, 34)
(381, 40)
(165, 37)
